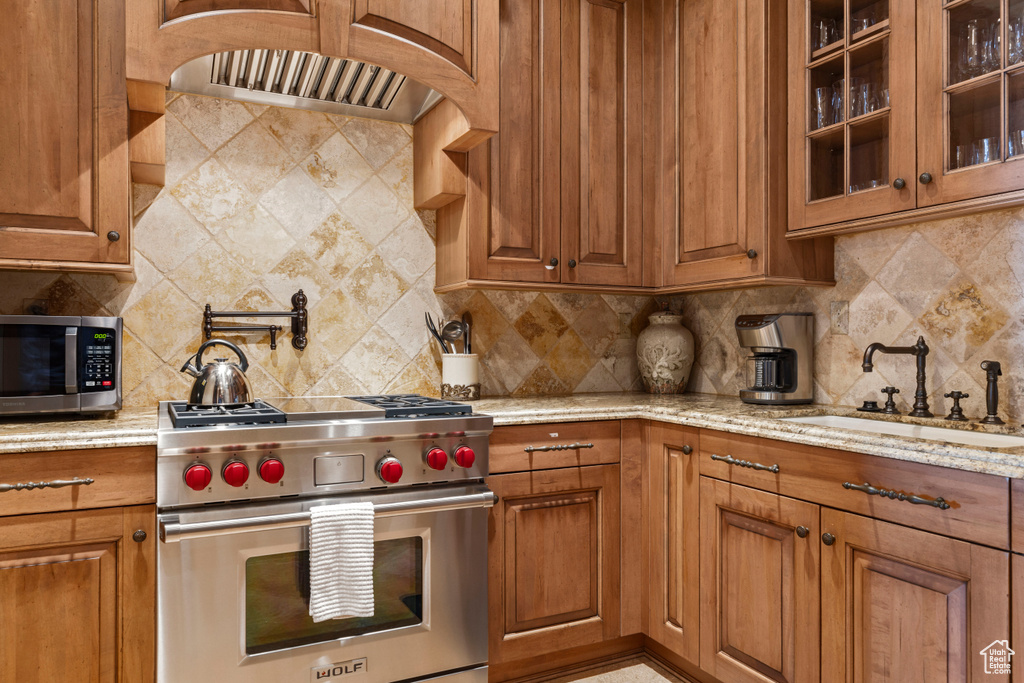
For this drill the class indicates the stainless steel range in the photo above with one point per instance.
(234, 491)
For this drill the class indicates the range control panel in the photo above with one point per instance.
(96, 353)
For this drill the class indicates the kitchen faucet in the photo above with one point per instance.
(920, 350)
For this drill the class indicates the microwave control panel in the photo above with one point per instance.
(97, 354)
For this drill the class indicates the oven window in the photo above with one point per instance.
(277, 597)
(31, 360)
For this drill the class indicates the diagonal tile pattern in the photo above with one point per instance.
(261, 201)
(958, 282)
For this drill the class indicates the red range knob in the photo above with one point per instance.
(389, 469)
(464, 456)
(235, 473)
(198, 477)
(271, 470)
(437, 459)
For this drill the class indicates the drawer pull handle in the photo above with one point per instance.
(557, 447)
(896, 495)
(56, 484)
(729, 460)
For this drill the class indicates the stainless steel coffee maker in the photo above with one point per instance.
(780, 371)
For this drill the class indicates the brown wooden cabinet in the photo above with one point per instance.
(721, 162)
(450, 46)
(902, 111)
(553, 561)
(904, 605)
(673, 527)
(760, 584)
(1017, 612)
(78, 568)
(555, 199)
(77, 596)
(64, 136)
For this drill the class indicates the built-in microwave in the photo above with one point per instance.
(59, 364)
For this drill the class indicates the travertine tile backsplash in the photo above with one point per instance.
(957, 282)
(262, 201)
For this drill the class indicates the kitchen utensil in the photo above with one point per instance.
(467, 323)
(220, 383)
(433, 330)
(452, 332)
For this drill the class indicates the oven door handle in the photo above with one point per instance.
(173, 531)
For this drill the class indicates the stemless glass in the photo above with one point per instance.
(1015, 40)
(986, 150)
(823, 114)
(1016, 146)
(825, 33)
(838, 88)
(858, 105)
(963, 156)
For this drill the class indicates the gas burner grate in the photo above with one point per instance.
(414, 405)
(182, 415)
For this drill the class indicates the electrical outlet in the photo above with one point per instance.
(839, 316)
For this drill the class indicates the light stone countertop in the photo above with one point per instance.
(137, 427)
(128, 427)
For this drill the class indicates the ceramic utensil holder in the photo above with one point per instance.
(460, 376)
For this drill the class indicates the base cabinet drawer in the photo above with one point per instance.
(108, 476)
(966, 505)
(549, 446)
(553, 561)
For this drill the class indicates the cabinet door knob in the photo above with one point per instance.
(552, 264)
(113, 235)
(687, 450)
(827, 538)
(925, 178)
(139, 536)
(802, 531)
(572, 263)
(751, 253)
(899, 183)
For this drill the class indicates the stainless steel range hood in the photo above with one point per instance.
(306, 80)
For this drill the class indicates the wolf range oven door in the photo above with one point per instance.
(233, 593)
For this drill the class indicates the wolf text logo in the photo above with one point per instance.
(332, 672)
(997, 657)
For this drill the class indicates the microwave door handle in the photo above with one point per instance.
(174, 531)
(71, 360)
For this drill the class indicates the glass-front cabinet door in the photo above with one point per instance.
(970, 99)
(852, 109)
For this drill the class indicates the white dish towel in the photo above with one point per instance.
(341, 561)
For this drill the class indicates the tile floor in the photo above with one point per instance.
(639, 670)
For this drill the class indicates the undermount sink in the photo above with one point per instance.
(977, 439)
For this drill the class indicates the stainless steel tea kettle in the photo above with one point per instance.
(219, 383)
